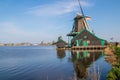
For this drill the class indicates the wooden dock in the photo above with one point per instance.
(91, 48)
(87, 50)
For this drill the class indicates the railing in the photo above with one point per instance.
(91, 47)
(88, 46)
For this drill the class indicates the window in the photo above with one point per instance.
(85, 37)
(88, 41)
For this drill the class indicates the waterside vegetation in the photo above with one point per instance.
(114, 73)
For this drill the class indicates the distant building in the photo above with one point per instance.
(1, 44)
(61, 43)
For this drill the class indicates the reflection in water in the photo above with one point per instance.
(82, 62)
(85, 64)
(61, 54)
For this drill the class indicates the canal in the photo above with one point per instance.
(46, 63)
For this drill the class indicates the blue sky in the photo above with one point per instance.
(45, 20)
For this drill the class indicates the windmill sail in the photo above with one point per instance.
(84, 18)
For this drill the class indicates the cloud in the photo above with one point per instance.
(10, 32)
(57, 8)
(11, 28)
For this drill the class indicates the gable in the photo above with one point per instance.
(86, 33)
(87, 38)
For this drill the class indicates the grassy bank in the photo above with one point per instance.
(117, 51)
(114, 73)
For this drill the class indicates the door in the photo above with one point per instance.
(85, 43)
(102, 42)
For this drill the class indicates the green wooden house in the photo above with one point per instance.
(61, 43)
(82, 36)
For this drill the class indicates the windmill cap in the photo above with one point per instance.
(80, 16)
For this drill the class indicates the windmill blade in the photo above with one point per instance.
(88, 18)
(84, 17)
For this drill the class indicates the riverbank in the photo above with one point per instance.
(113, 57)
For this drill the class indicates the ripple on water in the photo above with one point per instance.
(36, 63)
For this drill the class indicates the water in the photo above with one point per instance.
(45, 63)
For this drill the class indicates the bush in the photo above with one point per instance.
(117, 50)
(114, 74)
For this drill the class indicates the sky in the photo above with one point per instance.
(44, 20)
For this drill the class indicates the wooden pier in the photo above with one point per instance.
(92, 47)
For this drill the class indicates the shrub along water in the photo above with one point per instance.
(114, 73)
(117, 51)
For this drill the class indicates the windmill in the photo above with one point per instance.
(80, 22)
(81, 36)
(84, 17)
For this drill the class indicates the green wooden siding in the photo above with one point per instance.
(78, 42)
(85, 43)
(102, 42)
